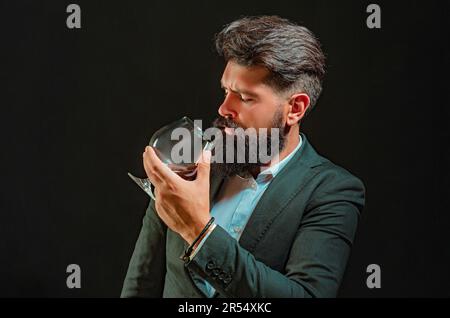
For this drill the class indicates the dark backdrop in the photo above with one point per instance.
(78, 107)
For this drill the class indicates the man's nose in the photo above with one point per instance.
(227, 109)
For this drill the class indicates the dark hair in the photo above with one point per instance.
(290, 52)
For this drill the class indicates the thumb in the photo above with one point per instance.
(204, 166)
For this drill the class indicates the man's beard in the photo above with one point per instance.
(238, 168)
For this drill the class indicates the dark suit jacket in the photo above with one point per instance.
(296, 243)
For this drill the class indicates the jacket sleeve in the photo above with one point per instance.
(147, 267)
(317, 258)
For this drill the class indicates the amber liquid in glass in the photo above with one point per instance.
(187, 172)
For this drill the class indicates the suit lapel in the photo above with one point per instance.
(290, 180)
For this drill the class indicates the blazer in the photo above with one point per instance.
(295, 244)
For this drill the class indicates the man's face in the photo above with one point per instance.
(249, 102)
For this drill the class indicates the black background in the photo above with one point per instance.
(78, 107)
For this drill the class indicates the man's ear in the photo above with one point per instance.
(298, 105)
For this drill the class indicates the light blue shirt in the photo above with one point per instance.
(236, 201)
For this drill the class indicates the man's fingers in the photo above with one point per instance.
(149, 170)
(159, 172)
(204, 166)
(159, 168)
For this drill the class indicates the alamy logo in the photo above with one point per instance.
(74, 279)
(373, 21)
(374, 279)
(73, 21)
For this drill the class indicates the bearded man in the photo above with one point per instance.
(282, 228)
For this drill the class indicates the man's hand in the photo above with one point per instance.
(182, 205)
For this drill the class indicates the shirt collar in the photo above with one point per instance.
(272, 171)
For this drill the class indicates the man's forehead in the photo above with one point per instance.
(240, 75)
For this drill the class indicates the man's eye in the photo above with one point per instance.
(246, 100)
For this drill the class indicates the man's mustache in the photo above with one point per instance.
(223, 122)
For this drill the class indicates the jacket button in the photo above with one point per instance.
(215, 272)
(227, 279)
(210, 265)
(222, 275)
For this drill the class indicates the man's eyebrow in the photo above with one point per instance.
(238, 91)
